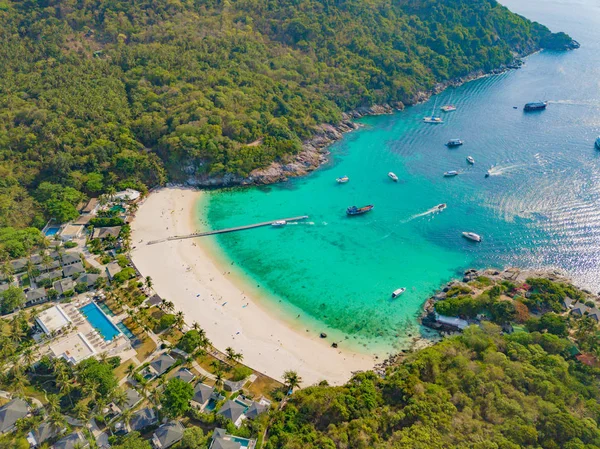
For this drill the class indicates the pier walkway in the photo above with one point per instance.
(224, 231)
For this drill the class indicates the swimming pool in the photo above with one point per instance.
(51, 231)
(106, 309)
(126, 331)
(100, 321)
(244, 442)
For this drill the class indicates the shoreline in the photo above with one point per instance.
(191, 275)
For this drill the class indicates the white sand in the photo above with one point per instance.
(183, 269)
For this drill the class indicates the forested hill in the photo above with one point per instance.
(107, 94)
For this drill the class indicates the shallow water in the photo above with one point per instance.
(539, 208)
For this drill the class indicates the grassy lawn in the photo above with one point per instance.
(121, 370)
(145, 349)
(263, 386)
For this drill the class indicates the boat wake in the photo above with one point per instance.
(500, 170)
(575, 103)
(433, 210)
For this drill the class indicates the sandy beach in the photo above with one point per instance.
(188, 273)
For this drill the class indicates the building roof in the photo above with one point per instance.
(142, 418)
(594, 313)
(112, 269)
(52, 265)
(127, 194)
(162, 363)
(70, 258)
(102, 233)
(580, 308)
(43, 432)
(74, 269)
(452, 321)
(71, 230)
(202, 393)
(18, 265)
(83, 220)
(53, 319)
(168, 434)
(71, 441)
(133, 397)
(90, 206)
(222, 443)
(256, 409)
(586, 359)
(73, 348)
(568, 302)
(88, 278)
(154, 300)
(35, 294)
(231, 410)
(49, 275)
(185, 375)
(63, 285)
(11, 412)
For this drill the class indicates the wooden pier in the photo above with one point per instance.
(224, 231)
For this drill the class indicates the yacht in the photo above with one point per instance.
(598, 142)
(343, 180)
(353, 210)
(393, 176)
(536, 106)
(454, 143)
(472, 236)
(448, 108)
(470, 160)
(279, 223)
(450, 173)
(398, 292)
(433, 118)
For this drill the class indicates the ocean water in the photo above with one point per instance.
(540, 207)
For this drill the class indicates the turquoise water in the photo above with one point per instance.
(539, 208)
(99, 321)
(126, 331)
(51, 231)
(106, 309)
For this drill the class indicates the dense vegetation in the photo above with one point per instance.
(103, 95)
(478, 390)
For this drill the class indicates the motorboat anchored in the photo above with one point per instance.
(353, 210)
(393, 176)
(450, 173)
(279, 223)
(470, 160)
(536, 106)
(398, 292)
(454, 143)
(598, 143)
(448, 108)
(343, 180)
(472, 236)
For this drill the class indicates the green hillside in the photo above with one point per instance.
(102, 95)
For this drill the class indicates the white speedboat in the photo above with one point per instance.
(398, 292)
(441, 206)
(448, 108)
(343, 180)
(279, 223)
(393, 176)
(472, 236)
(598, 143)
(450, 173)
(470, 160)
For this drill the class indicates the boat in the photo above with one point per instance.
(433, 118)
(470, 160)
(398, 292)
(441, 206)
(448, 108)
(450, 173)
(343, 180)
(472, 236)
(454, 143)
(279, 223)
(598, 143)
(353, 210)
(536, 106)
(393, 176)
(488, 173)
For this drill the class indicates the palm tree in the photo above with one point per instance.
(57, 420)
(149, 282)
(53, 403)
(219, 379)
(292, 379)
(119, 397)
(8, 272)
(131, 369)
(196, 326)
(233, 356)
(126, 417)
(179, 320)
(81, 411)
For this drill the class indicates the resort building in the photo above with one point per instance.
(91, 207)
(161, 365)
(452, 322)
(19, 265)
(112, 269)
(63, 285)
(110, 231)
(74, 270)
(167, 435)
(73, 348)
(70, 259)
(154, 300)
(71, 232)
(141, 419)
(221, 440)
(42, 433)
(127, 195)
(233, 411)
(185, 374)
(53, 320)
(88, 279)
(56, 274)
(10, 413)
(202, 396)
(35, 296)
(256, 409)
(75, 440)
